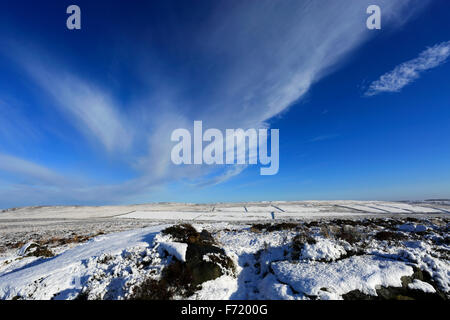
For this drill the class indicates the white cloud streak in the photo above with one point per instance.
(89, 108)
(30, 172)
(95, 112)
(324, 137)
(272, 52)
(409, 71)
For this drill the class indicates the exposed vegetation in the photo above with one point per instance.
(204, 261)
(270, 227)
(36, 250)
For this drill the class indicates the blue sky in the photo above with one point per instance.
(86, 115)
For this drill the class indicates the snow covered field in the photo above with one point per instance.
(269, 250)
(276, 210)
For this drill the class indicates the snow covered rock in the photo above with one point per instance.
(25, 248)
(322, 250)
(34, 249)
(176, 249)
(332, 280)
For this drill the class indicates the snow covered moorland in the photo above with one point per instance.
(269, 250)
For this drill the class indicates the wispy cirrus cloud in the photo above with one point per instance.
(233, 171)
(409, 71)
(92, 110)
(15, 125)
(30, 172)
(86, 105)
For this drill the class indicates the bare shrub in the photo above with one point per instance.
(390, 236)
(350, 234)
(152, 289)
(270, 227)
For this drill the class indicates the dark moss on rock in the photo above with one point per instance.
(403, 292)
(390, 236)
(36, 250)
(270, 227)
(205, 261)
(152, 289)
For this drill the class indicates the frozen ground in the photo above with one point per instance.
(265, 250)
(277, 210)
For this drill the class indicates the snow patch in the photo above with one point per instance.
(323, 249)
(332, 280)
(420, 285)
(175, 249)
(221, 288)
(63, 275)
